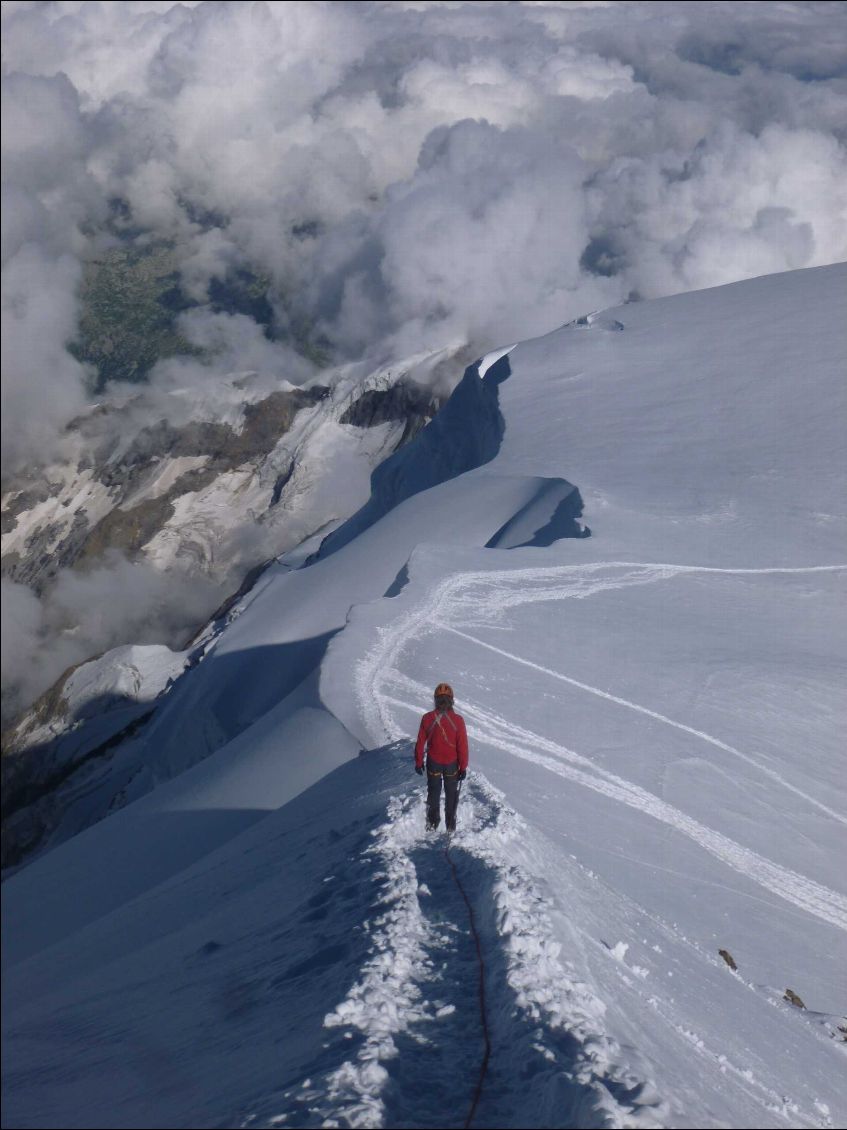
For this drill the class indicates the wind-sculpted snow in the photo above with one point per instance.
(466, 434)
(551, 513)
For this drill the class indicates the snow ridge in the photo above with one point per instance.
(412, 1003)
(386, 999)
(546, 986)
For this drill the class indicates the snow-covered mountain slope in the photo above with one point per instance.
(270, 938)
(181, 473)
(248, 475)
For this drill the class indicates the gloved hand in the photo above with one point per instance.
(462, 774)
(419, 770)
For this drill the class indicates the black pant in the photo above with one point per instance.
(434, 774)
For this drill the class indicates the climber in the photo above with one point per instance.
(442, 737)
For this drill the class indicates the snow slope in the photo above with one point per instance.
(281, 467)
(655, 712)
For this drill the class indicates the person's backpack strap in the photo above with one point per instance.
(437, 723)
(429, 734)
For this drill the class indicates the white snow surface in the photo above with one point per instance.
(656, 716)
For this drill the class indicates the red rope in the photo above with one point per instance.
(482, 1009)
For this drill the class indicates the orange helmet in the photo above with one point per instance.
(443, 690)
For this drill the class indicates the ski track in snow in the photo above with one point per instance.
(651, 714)
(812, 897)
(378, 673)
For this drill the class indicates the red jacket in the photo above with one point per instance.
(443, 738)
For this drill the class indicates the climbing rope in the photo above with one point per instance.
(482, 1005)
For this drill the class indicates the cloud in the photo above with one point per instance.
(404, 170)
(712, 218)
(43, 384)
(404, 175)
(85, 614)
(489, 215)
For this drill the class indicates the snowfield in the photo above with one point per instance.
(656, 715)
